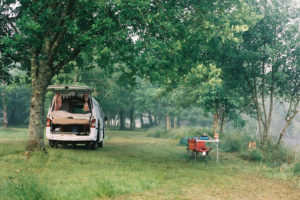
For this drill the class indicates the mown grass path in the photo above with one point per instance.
(130, 166)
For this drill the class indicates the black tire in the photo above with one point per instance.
(93, 145)
(51, 144)
(100, 144)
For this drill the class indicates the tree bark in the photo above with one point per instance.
(291, 113)
(122, 119)
(222, 123)
(41, 75)
(108, 120)
(215, 125)
(168, 123)
(132, 120)
(155, 121)
(175, 122)
(13, 117)
(287, 124)
(150, 119)
(4, 105)
(36, 121)
(142, 121)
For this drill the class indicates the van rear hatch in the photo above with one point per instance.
(71, 110)
(69, 88)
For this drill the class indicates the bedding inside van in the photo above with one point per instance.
(71, 109)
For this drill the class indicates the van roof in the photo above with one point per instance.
(70, 88)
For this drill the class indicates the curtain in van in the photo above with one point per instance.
(58, 102)
(86, 105)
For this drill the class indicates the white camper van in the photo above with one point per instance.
(74, 117)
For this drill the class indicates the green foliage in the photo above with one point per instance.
(17, 98)
(180, 133)
(255, 155)
(157, 133)
(275, 156)
(252, 155)
(296, 169)
(236, 141)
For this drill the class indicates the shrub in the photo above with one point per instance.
(297, 169)
(179, 133)
(255, 155)
(275, 156)
(234, 142)
(157, 133)
(231, 145)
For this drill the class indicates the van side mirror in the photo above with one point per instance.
(105, 118)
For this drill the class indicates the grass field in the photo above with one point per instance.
(132, 166)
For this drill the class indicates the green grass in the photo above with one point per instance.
(131, 166)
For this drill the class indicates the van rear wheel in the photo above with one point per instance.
(93, 145)
(100, 144)
(52, 144)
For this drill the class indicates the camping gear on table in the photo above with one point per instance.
(216, 136)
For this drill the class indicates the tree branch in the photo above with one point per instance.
(65, 61)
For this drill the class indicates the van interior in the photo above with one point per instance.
(71, 114)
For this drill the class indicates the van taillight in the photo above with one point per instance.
(48, 122)
(93, 123)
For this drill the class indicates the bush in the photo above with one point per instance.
(234, 142)
(297, 169)
(157, 133)
(275, 156)
(180, 133)
(231, 145)
(255, 155)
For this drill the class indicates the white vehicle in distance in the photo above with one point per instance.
(74, 117)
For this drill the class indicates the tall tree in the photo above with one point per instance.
(289, 83)
(265, 55)
(51, 34)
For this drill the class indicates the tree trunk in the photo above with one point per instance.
(13, 117)
(142, 121)
(122, 119)
(291, 113)
(175, 122)
(287, 124)
(215, 125)
(222, 123)
(4, 105)
(132, 121)
(108, 120)
(159, 120)
(150, 119)
(41, 75)
(36, 121)
(155, 121)
(168, 123)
